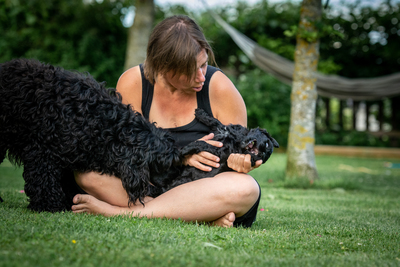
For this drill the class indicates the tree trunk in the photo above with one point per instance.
(301, 156)
(139, 32)
(328, 113)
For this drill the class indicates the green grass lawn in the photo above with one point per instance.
(350, 217)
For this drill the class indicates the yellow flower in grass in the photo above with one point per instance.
(74, 241)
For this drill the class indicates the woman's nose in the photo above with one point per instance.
(200, 77)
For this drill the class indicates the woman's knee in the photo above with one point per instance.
(240, 187)
(247, 187)
(88, 180)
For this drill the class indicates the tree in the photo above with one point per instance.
(301, 157)
(87, 43)
(139, 32)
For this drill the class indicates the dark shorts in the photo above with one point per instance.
(249, 218)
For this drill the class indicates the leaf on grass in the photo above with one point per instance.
(206, 244)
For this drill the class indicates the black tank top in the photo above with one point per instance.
(195, 130)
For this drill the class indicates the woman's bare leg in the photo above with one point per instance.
(90, 204)
(104, 187)
(221, 198)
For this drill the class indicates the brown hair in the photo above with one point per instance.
(173, 46)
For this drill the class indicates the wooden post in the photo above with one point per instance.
(341, 114)
(356, 104)
(328, 113)
(381, 116)
(367, 107)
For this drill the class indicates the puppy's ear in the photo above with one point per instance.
(274, 142)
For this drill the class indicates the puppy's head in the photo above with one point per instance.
(259, 144)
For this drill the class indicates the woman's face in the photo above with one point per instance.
(182, 82)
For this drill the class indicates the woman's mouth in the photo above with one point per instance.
(197, 89)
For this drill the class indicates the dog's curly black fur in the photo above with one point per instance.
(55, 122)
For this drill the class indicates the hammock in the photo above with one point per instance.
(327, 85)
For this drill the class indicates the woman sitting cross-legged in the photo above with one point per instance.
(174, 80)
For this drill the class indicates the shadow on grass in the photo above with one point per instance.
(305, 183)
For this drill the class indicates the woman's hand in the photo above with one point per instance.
(204, 160)
(242, 163)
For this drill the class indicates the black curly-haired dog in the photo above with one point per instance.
(55, 122)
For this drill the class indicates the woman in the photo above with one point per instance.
(174, 80)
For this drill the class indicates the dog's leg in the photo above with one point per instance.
(69, 187)
(43, 187)
(3, 152)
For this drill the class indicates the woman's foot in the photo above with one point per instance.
(90, 204)
(225, 221)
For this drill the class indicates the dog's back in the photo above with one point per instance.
(55, 121)
(39, 101)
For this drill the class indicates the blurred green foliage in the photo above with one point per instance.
(351, 138)
(267, 101)
(71, 34)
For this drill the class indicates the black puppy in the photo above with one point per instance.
(236, 139)
(55, 122)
